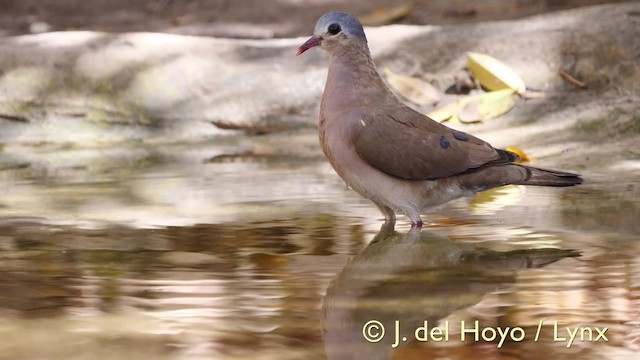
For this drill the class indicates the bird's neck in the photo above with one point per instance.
(354, 81)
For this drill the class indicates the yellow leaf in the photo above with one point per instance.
(487, 105)
(476, 108)
(384, 16)
(494, 74)
(445, 112)
(416, 90)
(523, 156)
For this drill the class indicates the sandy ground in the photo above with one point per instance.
(244, 18)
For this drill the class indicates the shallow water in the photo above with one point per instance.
(196, 251)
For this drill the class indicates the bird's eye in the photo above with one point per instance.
(334, 29)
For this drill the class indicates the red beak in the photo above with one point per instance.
(312, 42)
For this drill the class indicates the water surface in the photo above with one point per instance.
(225, 251)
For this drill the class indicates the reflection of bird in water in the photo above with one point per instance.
(411, 278)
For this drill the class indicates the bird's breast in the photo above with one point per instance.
(334, 143)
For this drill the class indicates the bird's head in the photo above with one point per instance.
(336, 30)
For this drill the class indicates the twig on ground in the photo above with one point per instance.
(573, 81)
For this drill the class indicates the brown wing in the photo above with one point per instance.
(406, 144)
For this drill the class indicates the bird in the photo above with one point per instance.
(398, 158)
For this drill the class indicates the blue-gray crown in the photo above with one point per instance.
(348, 23)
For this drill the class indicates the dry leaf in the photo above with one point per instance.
(523, 157)
(493, 74)
(476, 108)
(444, 113)
(384, 16)
(470, 111)
(416, 90)
(493, 104)
(454, 120)
(464, 81)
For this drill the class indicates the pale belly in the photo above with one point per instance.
(407, 197)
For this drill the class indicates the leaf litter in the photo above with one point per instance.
(414, 89)
(502, 85)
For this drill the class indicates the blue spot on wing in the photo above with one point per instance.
(460, 136)
(444, 143)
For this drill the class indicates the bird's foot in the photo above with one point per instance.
(416, 224)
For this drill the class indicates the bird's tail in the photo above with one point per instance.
(547, 177)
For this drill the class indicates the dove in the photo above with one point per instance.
(398, 158)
